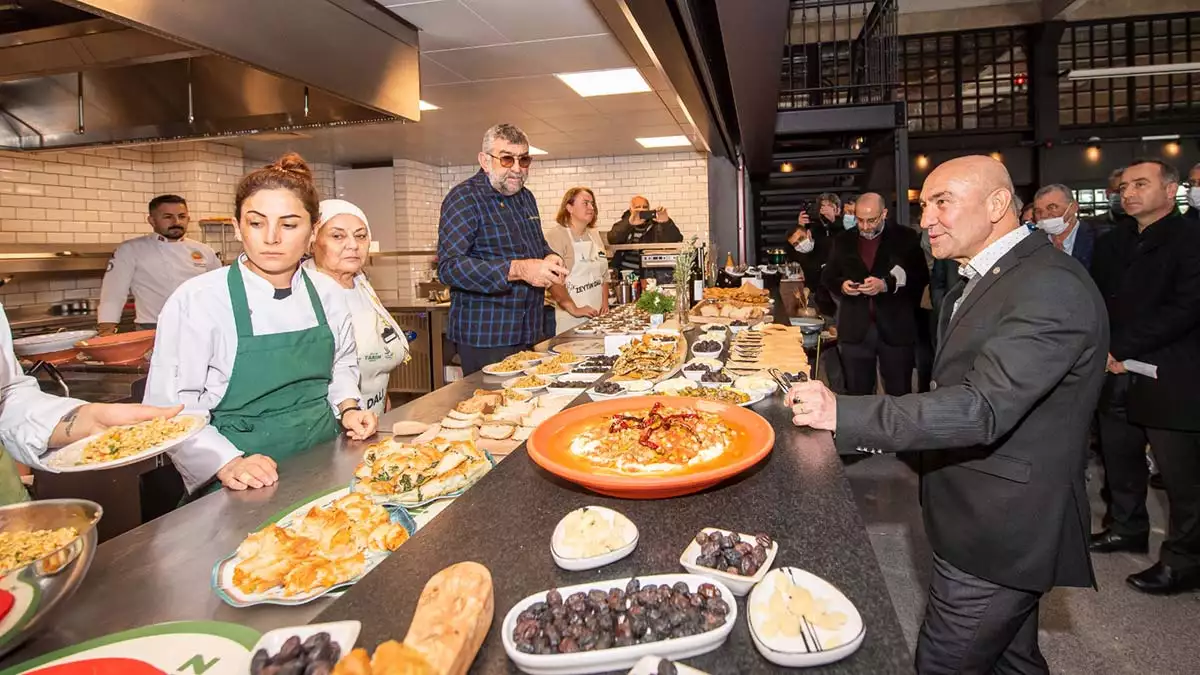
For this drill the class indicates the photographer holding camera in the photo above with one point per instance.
(640, 225)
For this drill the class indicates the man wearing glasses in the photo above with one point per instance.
(493, 255)
(877, 274)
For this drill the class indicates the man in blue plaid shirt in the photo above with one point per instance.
(493, 255)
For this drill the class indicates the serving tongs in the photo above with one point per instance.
(777, 375)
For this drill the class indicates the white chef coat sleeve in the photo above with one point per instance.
(344, 384)
(27, 414)
(114, 290)
(211, 260)
(183, 348)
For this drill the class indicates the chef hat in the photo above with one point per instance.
(338, 207)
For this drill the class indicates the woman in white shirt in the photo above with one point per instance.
(584, 294)
(265, 347)
(339, 251)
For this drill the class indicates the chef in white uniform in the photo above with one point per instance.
(584, 294)
(153, 266)
(266, 347)
(32, 422)
(340, 251)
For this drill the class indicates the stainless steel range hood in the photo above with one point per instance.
(102, 72)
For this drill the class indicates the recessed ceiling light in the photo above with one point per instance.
(664, 141)
(605, 82)
(537, 151)
(426, 105)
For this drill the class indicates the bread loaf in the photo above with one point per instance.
(409, 428)
(452, 618)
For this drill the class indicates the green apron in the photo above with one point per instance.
(277, 401)
(12, 490)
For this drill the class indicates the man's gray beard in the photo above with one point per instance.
(499, 186)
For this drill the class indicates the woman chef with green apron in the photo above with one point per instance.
(265, 347)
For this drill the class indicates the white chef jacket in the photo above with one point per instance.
(196, 343)
(27, 414)
(153, 267)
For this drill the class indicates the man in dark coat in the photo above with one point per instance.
(1149, 274)
(640, 225)
(877, 273)
(1019, 366)
(1057, 214)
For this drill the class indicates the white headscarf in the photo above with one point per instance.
(331, 208)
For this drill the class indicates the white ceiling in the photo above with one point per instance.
(490, 61)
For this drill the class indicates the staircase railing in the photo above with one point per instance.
(839, 53)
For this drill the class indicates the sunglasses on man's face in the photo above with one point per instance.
(507, 161)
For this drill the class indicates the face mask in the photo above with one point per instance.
(1114, 204)
(805, 246)
(849, 222)
(1194, 197)
(1053, 226)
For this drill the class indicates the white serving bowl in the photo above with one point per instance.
(618, 658)
(567, 559)
(648, 665)
(737, 583)
(792, 652)
(636, 386)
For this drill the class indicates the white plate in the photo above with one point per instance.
(565, 558)
(618, 658)
(737, 583)
(342, 633)
(636, 386)
(584, 377)
(755, 397)
(66, 458)
(490, 369)
(52, 342)
(673, 385)
(595, 396)
(793, 652)
(508, 384)
(648, 665)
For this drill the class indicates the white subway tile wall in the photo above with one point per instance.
(676, 180)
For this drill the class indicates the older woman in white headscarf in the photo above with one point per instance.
(340, 248)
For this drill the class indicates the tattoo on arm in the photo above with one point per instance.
(69, 420)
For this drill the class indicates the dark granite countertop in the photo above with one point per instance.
(799, 495)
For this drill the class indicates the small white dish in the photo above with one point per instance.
(568, 558)
(491, 369)
(755, 397)
(636, 386)
(564, 370)
(673, 386)
(648, 665)
(717, 385)
(618, 658)
(583, 377)
(342, 633)
(510, 384)
(800, 652)
(737, 583)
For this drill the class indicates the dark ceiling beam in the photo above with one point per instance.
(753, 42)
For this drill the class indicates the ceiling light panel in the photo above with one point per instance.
(605, 82)
(664, 141)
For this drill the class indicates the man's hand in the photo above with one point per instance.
(92, 418)
(829, 211)
(803, 219)
(1114, 366)
(850, 287)
(872, 286)
(813, 405)
(635, 219)
(359, 424)
(555, 258)
(539, 273)
(255, 471)
(103, 329)
(660, 215)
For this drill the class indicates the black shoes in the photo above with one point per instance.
(1160, 579)
(1108, 541)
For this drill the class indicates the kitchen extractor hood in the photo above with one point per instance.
(103, 72)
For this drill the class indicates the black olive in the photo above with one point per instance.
(315, 641)
(294, 667)
(259, 661)
(665, 667)
(717, 606)
(747, 568)
(289, 651)
(318, 668)
(759, 554)
(702, 538)
(763, 540)
(708, 591)
(568, 646)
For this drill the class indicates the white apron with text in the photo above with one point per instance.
(585, 283)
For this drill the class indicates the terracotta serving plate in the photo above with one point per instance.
(122, 348)
(549, 448)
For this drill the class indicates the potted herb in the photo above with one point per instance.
(656, 304)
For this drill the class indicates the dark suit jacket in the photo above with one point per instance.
(1085, 243)
(895, 315)
(1151, 282)
(1017, 376)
